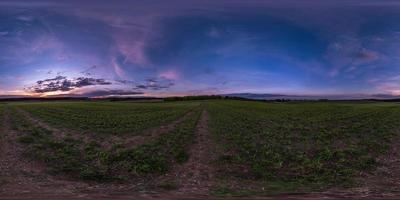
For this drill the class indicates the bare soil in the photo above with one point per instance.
(195, 177)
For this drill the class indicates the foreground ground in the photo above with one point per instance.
(199, 149)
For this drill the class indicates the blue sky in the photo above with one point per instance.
(159, 48)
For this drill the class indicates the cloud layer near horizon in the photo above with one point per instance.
(200, 47)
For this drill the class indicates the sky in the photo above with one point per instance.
(167, 48)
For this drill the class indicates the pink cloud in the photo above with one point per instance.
(117, 69)
(133, 51)
(390, 88)
(170, 74)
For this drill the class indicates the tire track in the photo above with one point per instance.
(196, 176)
(153, 133)
(57, 133)
(20, 174)
(126, 140)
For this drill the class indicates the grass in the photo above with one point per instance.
(91, 161)
(3, 179)
(265, 148)
(1, 133)
(107, 117)
(302, 144)
(1, 117)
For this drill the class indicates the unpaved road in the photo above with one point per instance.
(195, 177)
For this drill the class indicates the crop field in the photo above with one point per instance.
(114, 118)
(88, 161)
(302, 144)
(210, 147)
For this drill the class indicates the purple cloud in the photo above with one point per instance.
(63, 84)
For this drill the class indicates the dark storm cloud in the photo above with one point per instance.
(155, 84)
(62, 83)
(99, 93)
(57, 78)
(85, 81)
(149, 84)
(125, 82)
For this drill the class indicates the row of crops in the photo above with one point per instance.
(91, 161)
(107, 117)
(306, 144)
(276, 145)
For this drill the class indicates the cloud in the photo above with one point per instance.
(125, 82)
(57, 78)
(88, 71)
(63, 84)
(101, 93)
(352, 54)
(384, 96)
(12, 96)
(77, 86)
(149, 83)
(170, 74)
(155, 84)
(85, 81)
(367, 55)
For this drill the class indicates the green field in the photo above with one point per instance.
(274, 147)
(87, 159)
(105, 117)
(288, 145)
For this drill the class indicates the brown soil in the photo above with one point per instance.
(195, 177)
